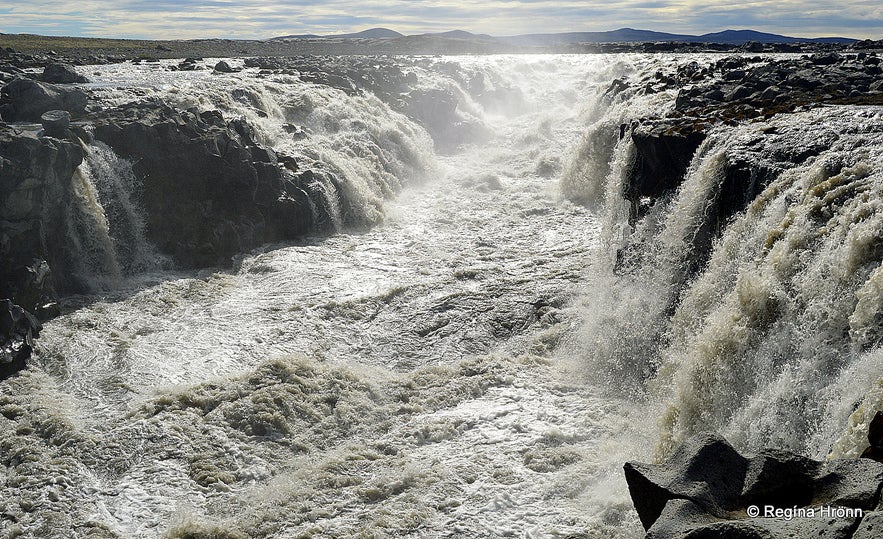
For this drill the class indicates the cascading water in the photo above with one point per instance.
(95, 263)
(116, 188)
(769, 342)
(471, 356)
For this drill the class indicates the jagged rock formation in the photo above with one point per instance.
(35, 189)
(706, 489)
(732, 90)
(209, 191)
(18, 328)
(25, 100)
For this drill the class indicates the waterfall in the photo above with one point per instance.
(106, 225)
(94, 262)
(119, 195)
(768, 330)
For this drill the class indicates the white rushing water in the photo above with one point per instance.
(461, 359)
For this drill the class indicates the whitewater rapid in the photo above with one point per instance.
(484, 336)
(396, 380)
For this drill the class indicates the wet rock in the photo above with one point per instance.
(706, 470)
(25, 100)
(288, 162)
(209, 190)
(663, 153)
(705, 490)
(35, 192)
(18, 329)
(56, 123)
(875, 438)
(61, 74)
(223, 67)
(262, 154)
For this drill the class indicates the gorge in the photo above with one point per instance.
(429, 296)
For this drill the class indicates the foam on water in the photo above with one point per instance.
(482, 360)
(769, 342)
(394, 382)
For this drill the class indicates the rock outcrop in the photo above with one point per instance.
(35, 190)
(706, 489)
(25, 100)
(62, 74)
(209, 190)
(732, 90)
(18, 328)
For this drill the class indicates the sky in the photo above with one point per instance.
(261, 19)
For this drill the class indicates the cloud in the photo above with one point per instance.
(258, 19)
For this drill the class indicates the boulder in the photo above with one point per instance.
(706, 490)
(705, 470)
(25, 100)
(18, 328)
(56, 123)
(61, 74)
(223, 67)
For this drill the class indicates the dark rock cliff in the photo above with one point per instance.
(35, 189)
(209, 191)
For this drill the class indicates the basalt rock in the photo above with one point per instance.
(209, 191)
(734, 90)
(708, 490)
(56, 123)
(706, 470)
(35, 191)
(61, 74)
(875, 439)
(18, 328)
(664, 150)
(25, 100)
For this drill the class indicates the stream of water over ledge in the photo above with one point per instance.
(457, 359)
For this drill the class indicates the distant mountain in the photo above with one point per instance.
(460, 34)
(372, 33)
(744, 36)
(631, 35)
(612, 36)
(732, 37)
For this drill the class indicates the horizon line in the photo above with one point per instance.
(309, 35)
